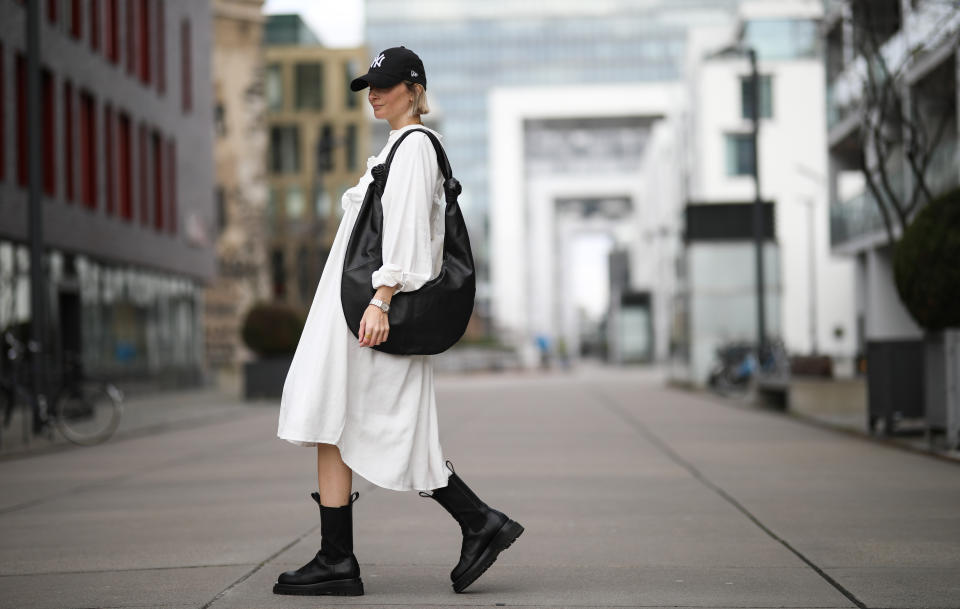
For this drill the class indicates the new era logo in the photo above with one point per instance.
(413, 74)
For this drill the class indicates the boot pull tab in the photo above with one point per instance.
(423, 494)
(316, 497)
(354, 496)
(450, 465)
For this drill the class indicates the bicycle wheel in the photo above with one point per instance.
(88, 414)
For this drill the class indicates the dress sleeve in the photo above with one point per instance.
(407, 201)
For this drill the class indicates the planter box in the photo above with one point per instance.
(942, 355)
(895, 382)
(264, 378)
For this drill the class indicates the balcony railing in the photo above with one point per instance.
(943, 171)
(859, 216)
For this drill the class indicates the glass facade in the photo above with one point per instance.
(125, 322)
(783, 38)
(469, 48)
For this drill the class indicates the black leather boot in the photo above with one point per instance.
(334, 570)
(486, 531)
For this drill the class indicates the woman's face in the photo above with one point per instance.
(390, 103)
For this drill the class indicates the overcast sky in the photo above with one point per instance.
(338, 23)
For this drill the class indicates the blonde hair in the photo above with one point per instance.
(419, 105)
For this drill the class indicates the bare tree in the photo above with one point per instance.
(893, 120)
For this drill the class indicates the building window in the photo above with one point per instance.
(321, 202)
(143, 175)
(325, 149)
(350, 147)
(49, 133)
(350, 68)
(278, 273)
(76, 18)
(3, 118)
(304, 284)
(220, 200)
(220, 120)
(766, 97)
(739, 154)
(782, 38)
(109, 158)
(88, 150)
(68, 147)
(95, 25)
(131, 37)
(124, 152)
(274, 86)
(52, 6)
(112, 41)
(172, 184)
(308, 83)
(284, 149)
(295, 204)
(186, 66)
(161, 46)
(21, 101)
(158, 199)
(144, 34)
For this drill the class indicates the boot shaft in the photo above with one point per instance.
(336, 529)
(462, 503)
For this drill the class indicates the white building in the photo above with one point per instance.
(591, 172)
(808, 293)
(928, 75)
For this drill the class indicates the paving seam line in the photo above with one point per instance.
(614, 406)
(367, 488)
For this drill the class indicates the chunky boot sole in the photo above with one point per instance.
(336, 587)
(504, 538)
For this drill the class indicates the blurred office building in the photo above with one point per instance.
(317, 148)
(126, 181)
(808, 293)
(240, 194)
(926, 80)
(564, 122)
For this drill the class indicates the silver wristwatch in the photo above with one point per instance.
(383, 305)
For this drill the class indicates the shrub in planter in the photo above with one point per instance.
(926, 264)
(272, 329)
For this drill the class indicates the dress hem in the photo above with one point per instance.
(347, 460)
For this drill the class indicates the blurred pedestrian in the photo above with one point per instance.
(371, 412)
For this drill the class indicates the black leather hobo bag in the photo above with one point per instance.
(432, 318)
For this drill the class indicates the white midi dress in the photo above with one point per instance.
(378, 408)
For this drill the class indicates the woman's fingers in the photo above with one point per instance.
(363, 327)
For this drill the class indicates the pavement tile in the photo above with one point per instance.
(169, 588)
(586, 585)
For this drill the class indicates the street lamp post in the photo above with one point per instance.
(38, 301)
(757, 199)
(751, 54)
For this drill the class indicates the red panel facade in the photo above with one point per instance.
(124, 150)
(48, 133)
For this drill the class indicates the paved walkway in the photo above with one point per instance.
(632, 495)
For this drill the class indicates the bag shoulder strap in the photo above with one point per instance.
(442, 160)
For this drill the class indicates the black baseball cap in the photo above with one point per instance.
(390, 67)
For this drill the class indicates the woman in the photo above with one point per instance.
(368, 411)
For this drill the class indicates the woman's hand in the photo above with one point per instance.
(374, 325)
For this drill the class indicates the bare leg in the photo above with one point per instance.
(334, 478)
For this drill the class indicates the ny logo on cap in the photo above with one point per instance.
(376, 62)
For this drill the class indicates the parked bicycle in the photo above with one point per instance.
(740, 365)
(86, 411)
